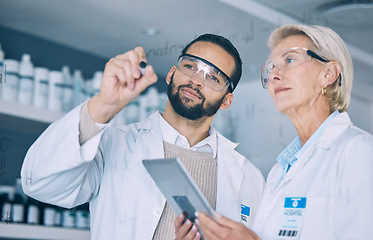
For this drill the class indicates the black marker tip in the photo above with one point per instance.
(142, 64)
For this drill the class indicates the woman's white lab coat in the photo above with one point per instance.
(124, 201)
(335, 175)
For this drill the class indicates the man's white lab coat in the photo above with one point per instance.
(124, 201)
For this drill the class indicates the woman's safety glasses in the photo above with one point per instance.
(287, 59)
(213, 77)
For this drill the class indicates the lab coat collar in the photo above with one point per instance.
(152, 122)
(171, 135)
(334, 129)
(150, 137)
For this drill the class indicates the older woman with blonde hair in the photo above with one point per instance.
(322, 185)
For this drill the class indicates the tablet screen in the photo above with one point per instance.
(178, 187)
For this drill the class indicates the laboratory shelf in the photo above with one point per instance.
(26, 118)
(25, 231)
(28, 112)
(20, 126)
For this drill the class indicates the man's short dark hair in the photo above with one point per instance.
(228, 47)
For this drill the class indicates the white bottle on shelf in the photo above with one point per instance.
(18, 207)
(58, 217)
(163, 98)
(10, 83)
(68, 218)
(49, 214)
(32, 209)
(143, 106)
(78, 88)
(6, 206)
(131, 112)
(68, 90)
(40, 96)
(26, 80)
(96, 84)
(2, 74)
(88, 90)
(154, 101)
(82, 217)
(55, 91)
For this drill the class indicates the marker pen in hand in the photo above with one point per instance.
(142, 67)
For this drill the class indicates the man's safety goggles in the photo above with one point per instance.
(213, 77)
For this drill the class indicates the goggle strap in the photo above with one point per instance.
(314, 55)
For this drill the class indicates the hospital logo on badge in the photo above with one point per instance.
(245, 213)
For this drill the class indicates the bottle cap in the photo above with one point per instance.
(65, 69)
(26, 68)
(153, 96)
(26, 57)
(97, 80)
(78, 73)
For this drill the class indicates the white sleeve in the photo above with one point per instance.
(54, 170)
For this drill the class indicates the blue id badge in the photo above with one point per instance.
(291, 225)
(245, 213)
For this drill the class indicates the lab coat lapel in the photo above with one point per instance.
(149, 145)
(150, 141)
(331, 132)
(230, 178)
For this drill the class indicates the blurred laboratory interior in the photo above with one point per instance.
(63, 47)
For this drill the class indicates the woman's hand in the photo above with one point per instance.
(187, 230)
(224, 228)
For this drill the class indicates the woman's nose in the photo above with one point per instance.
(275, 73)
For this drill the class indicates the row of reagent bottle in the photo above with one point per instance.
(49, 89)
(16, 207)
(62, 91)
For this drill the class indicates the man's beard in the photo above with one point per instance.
(190, 112)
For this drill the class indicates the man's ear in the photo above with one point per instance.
(227, 101)
(169, 74)
(332, 73)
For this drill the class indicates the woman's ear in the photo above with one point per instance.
(332, 73)
(169, 74)
(227, 101)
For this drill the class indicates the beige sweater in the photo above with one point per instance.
(203, 169)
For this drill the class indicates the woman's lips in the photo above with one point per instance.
(281, 89)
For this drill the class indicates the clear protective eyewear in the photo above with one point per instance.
(288, 59)
(213, 77)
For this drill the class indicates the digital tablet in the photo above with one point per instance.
(178, 187)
